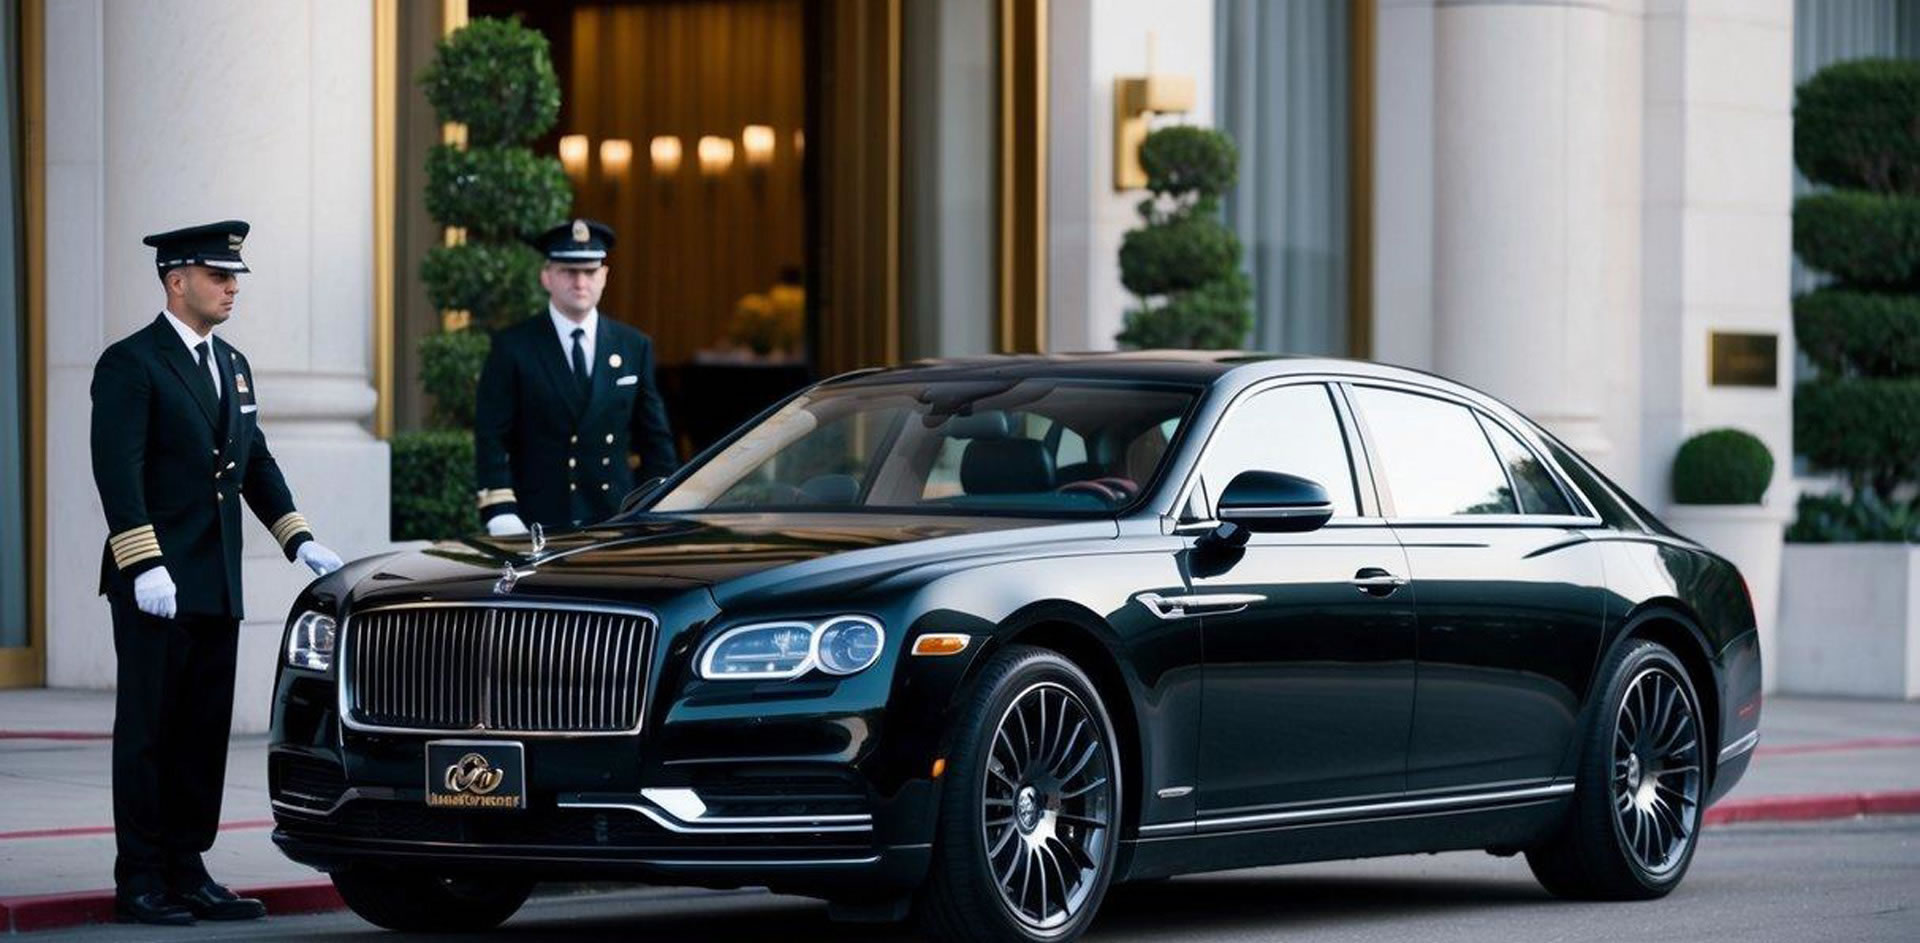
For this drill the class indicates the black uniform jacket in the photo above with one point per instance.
(173, 461)
(537, 443)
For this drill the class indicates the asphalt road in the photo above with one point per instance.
(1857, 880)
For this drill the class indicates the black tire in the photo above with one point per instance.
(1061, 792)
(1639, 789)
(414, 902)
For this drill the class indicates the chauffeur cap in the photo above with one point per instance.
(215, 245)
(582, 242)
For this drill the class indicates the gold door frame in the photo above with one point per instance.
(27, 667)
(1021, 178)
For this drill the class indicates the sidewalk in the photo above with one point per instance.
(1817, 758)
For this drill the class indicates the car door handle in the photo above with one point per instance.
(1181, 607)
(1375, 581)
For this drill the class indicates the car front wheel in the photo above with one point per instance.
(1639, 788)
(423, 903)
(1030, 809)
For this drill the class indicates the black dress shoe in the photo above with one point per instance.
(152, 907)
(210, 901)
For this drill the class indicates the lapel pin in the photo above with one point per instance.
(613, 361)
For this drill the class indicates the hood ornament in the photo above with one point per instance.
(508, 577)
(539, 539)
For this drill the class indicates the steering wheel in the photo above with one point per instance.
(1098, 489)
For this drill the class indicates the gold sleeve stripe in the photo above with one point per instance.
(288, 525)
(497, 496)
(130, 535)
(135, 552)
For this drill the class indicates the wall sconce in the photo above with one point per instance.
(616, 155)
(1136, 99)
(757, 140)
(799, 143)
(573, 155)
(716, 155)
(665, 151)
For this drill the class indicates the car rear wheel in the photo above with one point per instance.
(1639, 787)
(1030, 809)
(424, 903)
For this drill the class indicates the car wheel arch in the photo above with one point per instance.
(1668, 623)
(1084, 639)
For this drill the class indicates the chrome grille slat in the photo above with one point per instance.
(435, 668)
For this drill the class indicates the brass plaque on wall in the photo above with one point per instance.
(1744, 359)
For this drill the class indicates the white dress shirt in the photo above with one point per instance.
(564, 326)
(192, 340)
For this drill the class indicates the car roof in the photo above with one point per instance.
(1192, 367)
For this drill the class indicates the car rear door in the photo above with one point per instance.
(1511, 591)
(1308, 686)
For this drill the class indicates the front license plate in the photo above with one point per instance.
(476, 774)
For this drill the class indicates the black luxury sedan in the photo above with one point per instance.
(975, 641)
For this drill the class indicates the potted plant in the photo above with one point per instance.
(1183, 263)
(1720, 480)
(1850, 599)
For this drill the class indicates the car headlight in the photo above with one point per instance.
(310, 641)
(839, 645)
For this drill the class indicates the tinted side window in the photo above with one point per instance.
(1291, 429)
(1433, 456)
(1538, 493)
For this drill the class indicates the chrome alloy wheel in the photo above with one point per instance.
(1047, 807)
(1656, 771)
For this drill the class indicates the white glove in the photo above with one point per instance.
(317, 558)
(153, 592)
(506, 525)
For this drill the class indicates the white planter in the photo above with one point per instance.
(1850, 620)
(1750, 535)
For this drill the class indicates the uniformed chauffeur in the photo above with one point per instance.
(565, 397)
(176, 449)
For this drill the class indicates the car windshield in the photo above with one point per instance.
(1017, 446)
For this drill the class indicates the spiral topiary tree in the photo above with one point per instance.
(1857, 131)
(1184, 263)
(495, 78)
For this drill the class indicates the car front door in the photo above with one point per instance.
(1511, 593)
(1308, 637)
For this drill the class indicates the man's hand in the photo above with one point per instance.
(153, 592)
(506, 525)
(317, 558)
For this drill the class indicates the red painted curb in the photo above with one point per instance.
(1811, 808)
(1840, 746)
(83, 831)
(53, 735)
(50, 911)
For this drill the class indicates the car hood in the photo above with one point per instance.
(733, 555)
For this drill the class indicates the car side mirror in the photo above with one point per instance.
(1274, 502)
(638, 496)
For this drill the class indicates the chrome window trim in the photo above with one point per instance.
(1527, 441)
(1238, 402)
(1356, 812)
(343, 690)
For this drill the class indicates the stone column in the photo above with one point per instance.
(1520, 200)
(163, 114)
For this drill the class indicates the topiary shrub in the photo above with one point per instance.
(1854, 127)
(1184, 263)
(432, 484)
(450, 372)
(1859, 333)
(1865, 239)
(1857, 132)
(1723, 466)
(496, 78)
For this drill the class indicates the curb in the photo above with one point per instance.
(1812, 808)
(51, 911)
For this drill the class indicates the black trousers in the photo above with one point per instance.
(171, 716)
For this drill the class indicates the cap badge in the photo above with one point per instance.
(580, 233)
(613, 361)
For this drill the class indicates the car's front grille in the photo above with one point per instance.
(509, 669)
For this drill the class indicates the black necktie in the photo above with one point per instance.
(579, 360)
(200, 351)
